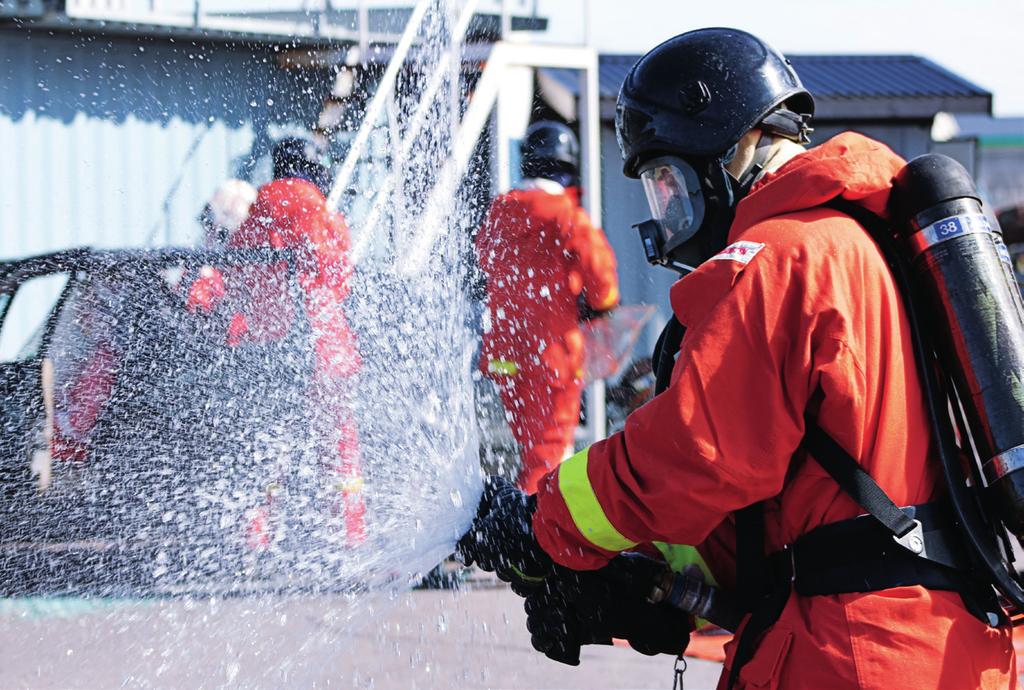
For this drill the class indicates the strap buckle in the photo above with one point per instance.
(783, 570)
(913, 541)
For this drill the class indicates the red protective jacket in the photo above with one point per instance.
(541, 253)
(799, 312)
(292, 213)
(79, 402)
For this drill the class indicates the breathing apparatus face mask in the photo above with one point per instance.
(691, 205)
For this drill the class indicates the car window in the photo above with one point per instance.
(94, 316)
(25, 321)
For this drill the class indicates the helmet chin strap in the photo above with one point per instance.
(779, 123)
(762, 152)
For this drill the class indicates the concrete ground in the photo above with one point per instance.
(474, 639)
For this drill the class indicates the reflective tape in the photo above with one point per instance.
(349, 486)
(503, 366)
(530, 579)
(680, 557)
(609, 301)
(585, 509)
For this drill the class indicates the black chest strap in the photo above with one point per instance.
(887, 547)
(854, 481)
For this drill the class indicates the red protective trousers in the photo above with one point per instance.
(541, 254)
(544, 409)
(798, 314)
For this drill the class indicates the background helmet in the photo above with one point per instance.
(697, 94)
(549, 147)
(298, 157)
(229, 205)
(226, 211)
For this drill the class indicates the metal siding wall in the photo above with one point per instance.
(964, 151)
(908, 140)
(1001, 176)
(624, 204)
(95, 132)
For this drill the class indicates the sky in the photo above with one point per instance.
(976, 39)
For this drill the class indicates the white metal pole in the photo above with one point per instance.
(363, 28)
(502, 157)
(506, 21)
(380, 97)
(586, 22)
(383, 198)
(590, 135)
(455, 73)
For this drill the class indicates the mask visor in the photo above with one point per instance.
(674, 195)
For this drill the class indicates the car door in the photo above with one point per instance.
(31, 292)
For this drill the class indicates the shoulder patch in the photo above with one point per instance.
(741, 252)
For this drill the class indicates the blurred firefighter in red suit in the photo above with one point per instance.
(291, 213)
(547, 268)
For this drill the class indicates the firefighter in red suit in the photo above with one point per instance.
(793, 323)
(543, 260)
(291, 213)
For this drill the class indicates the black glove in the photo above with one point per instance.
(501, 538)
(585, 312)
(572, 609)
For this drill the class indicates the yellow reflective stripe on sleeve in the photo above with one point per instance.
(349, 486)
(679, 556)
(610, 300)
(531, 579)
(503, 366)
(584, 507)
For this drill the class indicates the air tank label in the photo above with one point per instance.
(949, 229)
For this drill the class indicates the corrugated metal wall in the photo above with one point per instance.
(106, 141)
(624, 205)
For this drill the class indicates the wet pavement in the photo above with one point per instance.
(424, 639)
